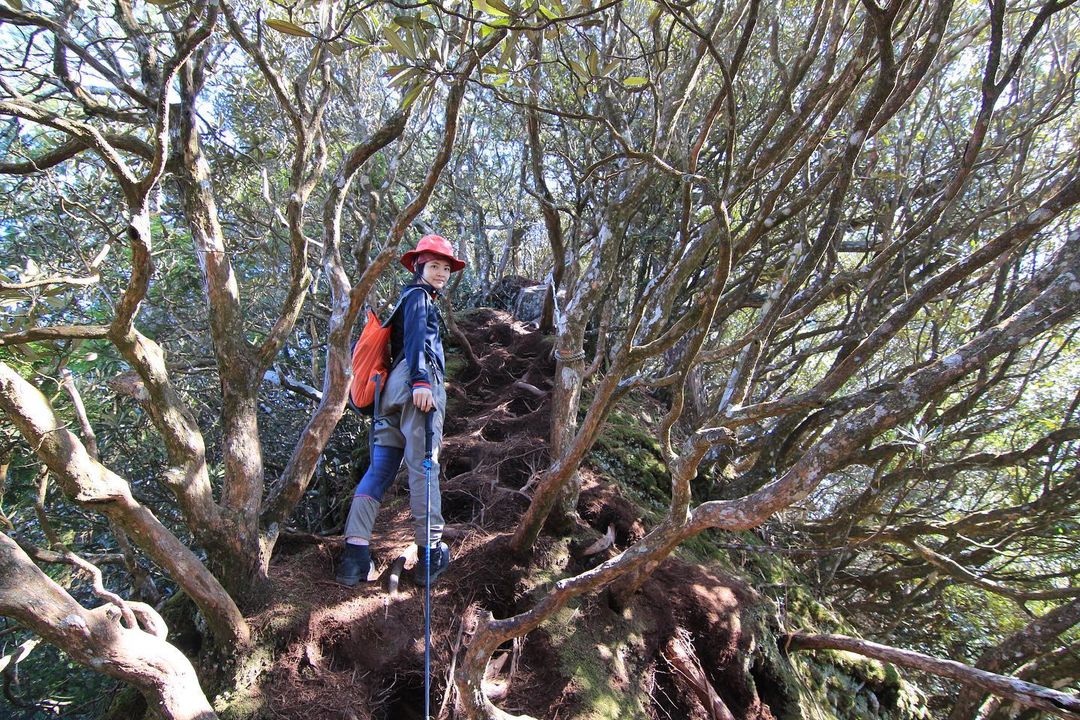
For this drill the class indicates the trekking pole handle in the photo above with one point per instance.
(429, 433)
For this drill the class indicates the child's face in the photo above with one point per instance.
(437, 273)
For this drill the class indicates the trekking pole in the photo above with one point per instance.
(428, 432)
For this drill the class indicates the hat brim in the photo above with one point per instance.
(409, 260)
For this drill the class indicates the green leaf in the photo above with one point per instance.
(609, 68)
(499, 7)
(316, 57)
(413, 22)
(580, 71)
(357, 40)
(15, 4)
(366, 26)
(397, 43)
(506, 59)
(288, 28)
(635, 81)
(548, 12)
(593, 61)
(410, 97)
(405, 77)
(489, 7)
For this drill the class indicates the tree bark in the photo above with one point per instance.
(233, 545)
(565, 399)
(552, 222)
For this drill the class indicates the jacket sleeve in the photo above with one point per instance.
(414, 324)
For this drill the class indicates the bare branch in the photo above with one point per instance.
(72, 148)
(1019, 691)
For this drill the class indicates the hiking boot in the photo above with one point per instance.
(440, 560)
(355, 565)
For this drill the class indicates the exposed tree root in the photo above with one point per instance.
(680, 654)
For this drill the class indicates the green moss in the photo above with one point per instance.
(807, 613)
(866, 669)
(773, 569)
(703, 549)
(249, 704)
(455, 363)
(838, 685)
(628, 452)
(244, 700)
(599, 656)
(550, 568)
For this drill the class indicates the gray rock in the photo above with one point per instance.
(505, 292)
(530, 303)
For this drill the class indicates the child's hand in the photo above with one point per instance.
(423, 399)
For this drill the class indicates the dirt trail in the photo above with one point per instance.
(353, 654)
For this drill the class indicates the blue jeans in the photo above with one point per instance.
(399, 433)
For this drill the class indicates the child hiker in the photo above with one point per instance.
(414, 389)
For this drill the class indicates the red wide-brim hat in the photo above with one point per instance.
(436, 244)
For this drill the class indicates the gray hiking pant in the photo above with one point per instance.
(400, 424)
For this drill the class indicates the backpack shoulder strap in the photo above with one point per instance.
(400, 302)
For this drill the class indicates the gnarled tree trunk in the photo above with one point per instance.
(97, 638)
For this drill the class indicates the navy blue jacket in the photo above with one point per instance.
(415, 338)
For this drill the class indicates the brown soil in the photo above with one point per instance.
(344, 654)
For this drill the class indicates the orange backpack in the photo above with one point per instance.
(371, 360)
